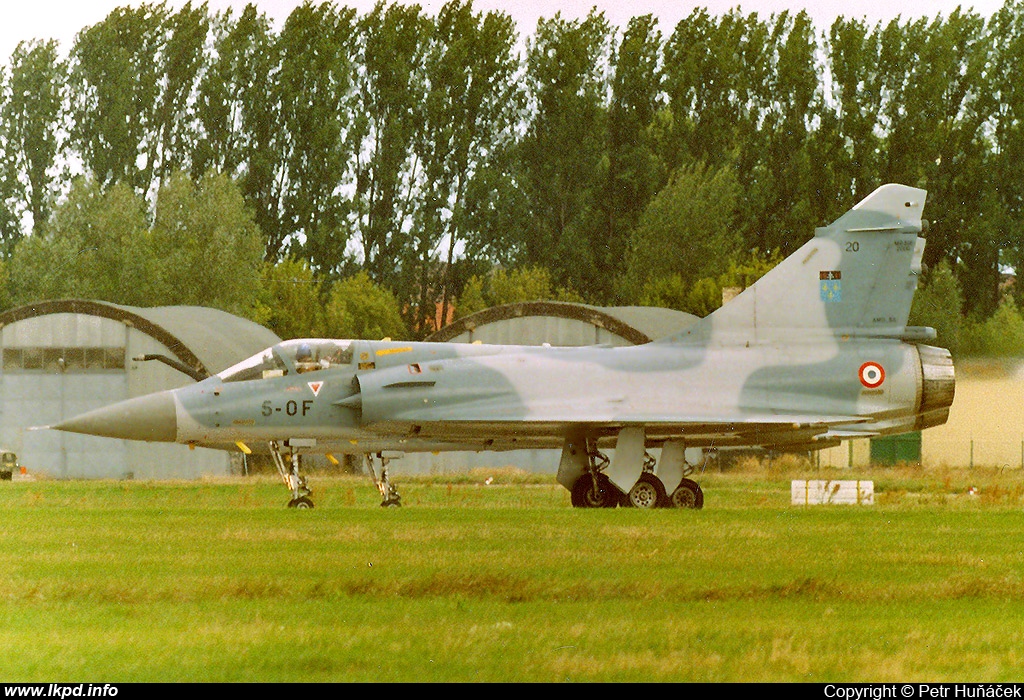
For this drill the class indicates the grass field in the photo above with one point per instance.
(217, 581)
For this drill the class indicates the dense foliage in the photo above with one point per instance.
(622, 165)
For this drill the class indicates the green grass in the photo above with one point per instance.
(217, 581)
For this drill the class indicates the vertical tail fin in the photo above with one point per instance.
(857, 276)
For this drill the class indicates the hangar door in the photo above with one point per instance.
(46, 377)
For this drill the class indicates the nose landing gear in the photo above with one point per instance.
(387, 490)
(295, 482)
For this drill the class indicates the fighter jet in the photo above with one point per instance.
(815, 352)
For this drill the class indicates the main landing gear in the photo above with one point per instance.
(647, 492)
(595, 489)
(688, 495)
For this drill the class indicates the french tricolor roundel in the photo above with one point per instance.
(871, 375)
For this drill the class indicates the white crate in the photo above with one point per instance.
(807, 493)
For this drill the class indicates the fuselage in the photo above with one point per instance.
(439, 396)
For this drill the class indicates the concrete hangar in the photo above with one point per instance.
(564, 324)
(59, 359)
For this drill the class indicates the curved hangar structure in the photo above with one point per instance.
(62, 358)
(564, 324)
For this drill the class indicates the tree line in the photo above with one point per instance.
(386, 169)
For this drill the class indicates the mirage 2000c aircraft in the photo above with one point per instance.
(817, 351)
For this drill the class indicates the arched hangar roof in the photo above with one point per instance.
(207, 340)
(632, 324)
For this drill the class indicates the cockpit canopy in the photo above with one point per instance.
(299, 356)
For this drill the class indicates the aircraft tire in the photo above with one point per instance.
(647, 492)
(688, 495)
(585, 496)
(302, 503)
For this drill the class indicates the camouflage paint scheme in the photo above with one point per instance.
(815, 352)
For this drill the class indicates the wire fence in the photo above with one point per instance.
(971, 451)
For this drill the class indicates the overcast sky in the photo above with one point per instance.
(62, 19)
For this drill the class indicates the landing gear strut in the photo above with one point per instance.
(387, 491)
(295, 482)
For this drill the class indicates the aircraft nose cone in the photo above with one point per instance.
(151, 417)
